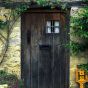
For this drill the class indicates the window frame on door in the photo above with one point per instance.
(52, 27)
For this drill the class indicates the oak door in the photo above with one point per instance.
(45, 53)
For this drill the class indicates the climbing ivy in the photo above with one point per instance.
(43, 3)
(80, 30)
(84, 67)
(77, 47)
(2, 24)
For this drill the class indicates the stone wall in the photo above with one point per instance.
(11, 63)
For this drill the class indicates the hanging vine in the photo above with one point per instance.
(11, 19)
(8, 26)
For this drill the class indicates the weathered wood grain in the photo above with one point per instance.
(45, 59)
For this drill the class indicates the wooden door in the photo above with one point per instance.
(44, 55)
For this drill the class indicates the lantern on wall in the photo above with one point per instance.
(81, 77)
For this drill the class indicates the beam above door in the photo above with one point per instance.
(32, 5)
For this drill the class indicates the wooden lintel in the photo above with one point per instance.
(78, 4)
(68, 4)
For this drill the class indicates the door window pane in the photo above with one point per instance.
(48, 30)
(56, 30)
(56, 23)
(56, 27)
(48, 23)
